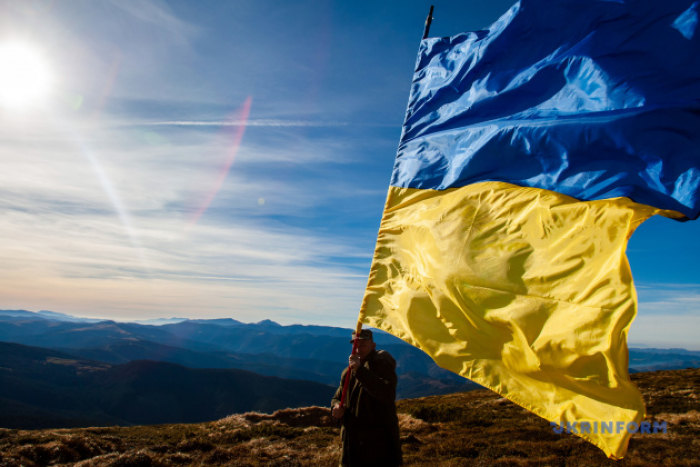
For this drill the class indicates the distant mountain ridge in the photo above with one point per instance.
(266, 364)
(317, 353)
(43, 388)
(52, 315)
(229, 335)
(306, 352)
(650, 359)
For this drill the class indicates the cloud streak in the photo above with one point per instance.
(669, 316)
(216, 270)
(159, 14)
(259, 123)
(66, 248)
(669, 299)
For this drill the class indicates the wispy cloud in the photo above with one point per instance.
(259, 122)
(669, 299)
(85, 263)
(66, 247)
(669, 316)
(159, 14)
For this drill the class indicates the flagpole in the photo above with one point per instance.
(428, 20)
(426, 31)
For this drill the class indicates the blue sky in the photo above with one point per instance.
(133, 192)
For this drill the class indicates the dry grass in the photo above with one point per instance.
(476, 428)
(291, 437)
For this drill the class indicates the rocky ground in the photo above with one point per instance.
(477, 428)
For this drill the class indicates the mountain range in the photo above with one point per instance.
(43, 388)
(107, 372)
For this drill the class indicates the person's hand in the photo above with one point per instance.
(338, 411)
(354, 362)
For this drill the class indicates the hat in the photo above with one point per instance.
(365, 334)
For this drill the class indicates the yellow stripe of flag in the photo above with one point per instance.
(525, 291)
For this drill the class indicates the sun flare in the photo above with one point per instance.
(24, 76)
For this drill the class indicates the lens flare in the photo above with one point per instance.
(242, 119)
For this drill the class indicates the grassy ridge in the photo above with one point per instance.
(477, 428)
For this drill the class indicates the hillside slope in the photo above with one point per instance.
(477, 428)
(41, 388)
(315, 353)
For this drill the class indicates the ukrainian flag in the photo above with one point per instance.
(530, 153)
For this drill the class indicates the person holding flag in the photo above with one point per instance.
(365, 402)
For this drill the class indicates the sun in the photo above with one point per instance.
(25, 78)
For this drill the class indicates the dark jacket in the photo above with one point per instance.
(370, 430)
